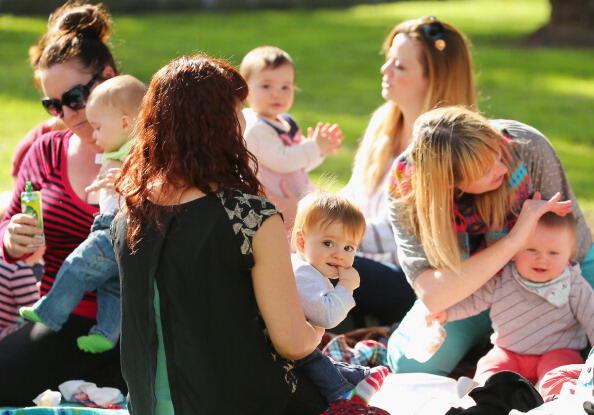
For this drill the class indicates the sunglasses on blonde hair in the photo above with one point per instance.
(75, 98)
(434, 31)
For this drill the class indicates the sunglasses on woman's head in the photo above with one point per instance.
(75, 98)
(434, 31)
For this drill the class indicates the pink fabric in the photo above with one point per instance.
(18, 288)
(532, 367)
(67, 218)
(552, 382)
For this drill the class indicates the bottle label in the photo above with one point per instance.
(31, 205)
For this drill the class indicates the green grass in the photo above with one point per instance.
(338, 60)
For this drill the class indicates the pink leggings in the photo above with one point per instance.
(532, 367)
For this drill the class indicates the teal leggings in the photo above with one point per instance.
(461, 336)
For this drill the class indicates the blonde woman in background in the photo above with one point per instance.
(428, 64)
(467, 194)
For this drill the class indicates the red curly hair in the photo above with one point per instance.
(187, 135)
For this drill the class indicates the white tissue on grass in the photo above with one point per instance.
(48, 398)
(100, 396)
(105, 396)
(72, 387)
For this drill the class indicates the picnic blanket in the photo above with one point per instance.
(418, 394)
(62, 410)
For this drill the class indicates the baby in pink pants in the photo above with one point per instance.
(541, 307)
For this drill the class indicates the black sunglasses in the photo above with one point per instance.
(434, 31)
(75, 98)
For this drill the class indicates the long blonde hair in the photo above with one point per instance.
(452, 145)
(450, 82)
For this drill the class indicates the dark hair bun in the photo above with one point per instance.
(75, 30)
(78, 19)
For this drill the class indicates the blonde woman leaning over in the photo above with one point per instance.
(467, 194)
(427, 65)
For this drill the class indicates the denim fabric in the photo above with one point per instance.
(37, 270)
(91, 266)
(333, 379)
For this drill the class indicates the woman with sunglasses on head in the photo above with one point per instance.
(427, 65)
(72, 59)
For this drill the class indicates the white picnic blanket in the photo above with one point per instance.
(419, 394)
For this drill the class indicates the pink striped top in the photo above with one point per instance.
(17, 289)
(67, 219)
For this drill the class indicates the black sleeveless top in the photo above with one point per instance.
(219, 357)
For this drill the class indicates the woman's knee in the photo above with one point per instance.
(461, 336)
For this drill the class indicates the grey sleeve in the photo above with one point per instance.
(411, 255)
(479, 301)
(323, 306)
(546, 173)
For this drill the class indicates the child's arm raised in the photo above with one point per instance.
(271, 152)
(327, 136)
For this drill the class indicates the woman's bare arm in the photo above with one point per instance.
(276, 293)
(439, 289)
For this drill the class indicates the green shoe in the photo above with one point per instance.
(94, 343)
(29, 314)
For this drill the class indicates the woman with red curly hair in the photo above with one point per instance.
(210, 311)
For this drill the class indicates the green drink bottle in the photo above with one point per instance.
(31, 205)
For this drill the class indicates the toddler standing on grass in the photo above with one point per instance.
(327, 231)
(271, 134)
(111, 110)
(541, 307)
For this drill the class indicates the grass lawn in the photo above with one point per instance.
(338, 60)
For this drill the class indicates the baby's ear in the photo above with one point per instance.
(299, 240)
(126, 123)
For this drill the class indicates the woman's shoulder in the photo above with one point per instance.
(518, 130)
(248, 208)
(246, 212)
(377, 119)
(52, 141)
(530, 143)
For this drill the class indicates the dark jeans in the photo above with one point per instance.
(36, 358)
(384, 293)
(333, 379)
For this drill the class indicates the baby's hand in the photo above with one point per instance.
(348, 278)
(105, 180)
(440, 317)
(35, 256)
(327, 136)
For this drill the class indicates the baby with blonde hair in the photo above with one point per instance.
(327, 231)
(111, 110)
